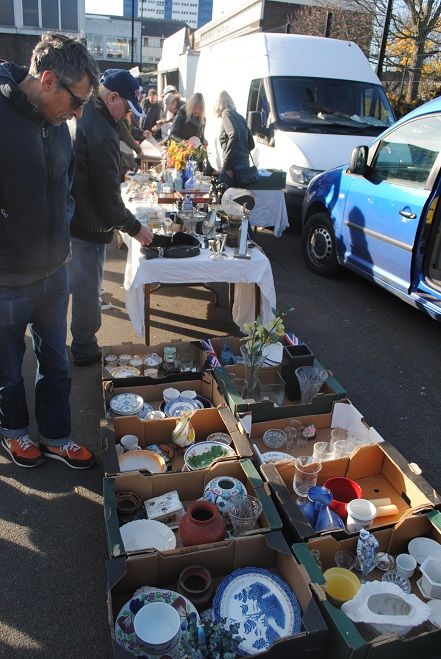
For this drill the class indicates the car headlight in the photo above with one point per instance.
(302, 175)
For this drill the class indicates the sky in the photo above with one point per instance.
(107, 7)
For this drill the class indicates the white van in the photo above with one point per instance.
(308, 101)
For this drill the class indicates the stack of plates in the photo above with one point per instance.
(129, 405)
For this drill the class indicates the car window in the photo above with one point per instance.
(409, 152)
(258, 101)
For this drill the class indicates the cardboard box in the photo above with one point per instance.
(266, 410)
(206, 386)
(190, 486)
(141, 349)
(347, 640)
(380, 470)
(268, 551)
(160, 432)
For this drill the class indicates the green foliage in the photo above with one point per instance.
(259, 336)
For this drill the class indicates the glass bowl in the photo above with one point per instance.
(394, 577)
(274, 439)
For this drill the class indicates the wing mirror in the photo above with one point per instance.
(359, 158)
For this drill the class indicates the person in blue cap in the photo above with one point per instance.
(99, 208)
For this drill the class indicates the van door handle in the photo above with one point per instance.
(407, 214)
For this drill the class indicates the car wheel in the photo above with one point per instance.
(318, 245)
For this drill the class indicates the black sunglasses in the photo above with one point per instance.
(77, 101)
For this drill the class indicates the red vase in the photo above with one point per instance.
(201, 523)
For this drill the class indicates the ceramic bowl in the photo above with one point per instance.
(158, 628)
(274, 438)
(343, 490)
(341, 584)
(222, 437)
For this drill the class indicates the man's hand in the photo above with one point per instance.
(145, 236)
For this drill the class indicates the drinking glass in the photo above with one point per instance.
(292, 432)
(244, 513)
(306, 469)
(323, 451)
(343, 448)
(311, 379)
(359, 434)
(339, 434)
(345, 559)
(218, 244)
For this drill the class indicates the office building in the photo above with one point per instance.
(193, 12)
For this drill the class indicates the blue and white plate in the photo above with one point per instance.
(262, 603)
(200, 401)
(178, 406)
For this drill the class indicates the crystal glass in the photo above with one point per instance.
(292, 431)
(358, 434)
(274, 439)
(167, 224)
(345, 559)
(398, 580)
(244, 513)
(306, 469)
(323, 451)
(343, 448)
(339, 435)
(311, 379)
(218, 244)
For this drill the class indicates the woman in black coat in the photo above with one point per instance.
(190, 120)
(235, 139)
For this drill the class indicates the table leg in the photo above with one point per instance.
(231, 296)
(147, 291)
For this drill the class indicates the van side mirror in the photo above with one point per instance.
(359, 158)
(254, 122)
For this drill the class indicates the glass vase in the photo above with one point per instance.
(253, 362)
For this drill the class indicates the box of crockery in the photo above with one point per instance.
(255, 581)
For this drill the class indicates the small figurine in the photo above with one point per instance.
(367, 546)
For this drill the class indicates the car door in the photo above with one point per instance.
(383, 209)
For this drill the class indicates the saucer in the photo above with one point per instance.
(141, 534)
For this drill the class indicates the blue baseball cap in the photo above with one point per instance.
(122, 82)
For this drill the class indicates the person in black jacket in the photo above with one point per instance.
(152, 110)
(36, 171)
(99, 208)
(235, 139)
(189, 121)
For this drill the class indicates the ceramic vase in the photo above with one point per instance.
(196, 585)
(253, 362)
(222, 490)
(202, 523)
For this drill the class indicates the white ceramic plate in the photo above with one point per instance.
(126, 404)
(147, 534)
(435, 616)
(422, 548)
(276, 456)
(203, 454)
(124, 372)
(137, 460)
(178, 406)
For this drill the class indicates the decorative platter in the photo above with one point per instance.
(178, 406)
(422, 548)
(142, 460)
(200, 403)
(202, 455)
(262, 603)
(126, 404)
(277, 456)
(124, 629)
(124, 372)
(147, 534)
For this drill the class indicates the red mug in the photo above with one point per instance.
(343, 490)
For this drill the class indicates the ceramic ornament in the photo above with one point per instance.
(183, 435)
(222, 490)
(367, 546)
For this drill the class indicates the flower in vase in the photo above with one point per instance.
(260, 336)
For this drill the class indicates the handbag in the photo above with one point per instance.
(248, 176)
(179, 246)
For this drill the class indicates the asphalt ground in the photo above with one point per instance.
(52, 542)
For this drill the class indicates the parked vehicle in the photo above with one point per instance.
(308, 101)
(380, 215)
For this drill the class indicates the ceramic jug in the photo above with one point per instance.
(318, 512)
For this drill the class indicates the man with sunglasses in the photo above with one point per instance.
(36, 171)
(99, 208)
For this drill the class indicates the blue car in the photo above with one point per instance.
(380, 215)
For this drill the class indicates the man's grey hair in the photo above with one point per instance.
(67, 57)
(223, 102)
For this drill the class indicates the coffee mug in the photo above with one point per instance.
(130, 443)
(158, 629)
(405, 565)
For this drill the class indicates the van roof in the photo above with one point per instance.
(295, 54)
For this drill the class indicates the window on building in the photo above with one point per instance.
(49, 14)
(30, 13)
(7, 12)
(154, 42)
(69, 14)
(95, 44)
(119, 47)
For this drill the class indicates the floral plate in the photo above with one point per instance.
(126, 404)
(124, 372)
(202, 455)
(200, 402)
(262, 603)
(178, 406)
(124, 630)
(277, 456)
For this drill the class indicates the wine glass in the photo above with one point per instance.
(218, 246)
(167, 224)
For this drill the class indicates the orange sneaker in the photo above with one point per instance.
(75, 456)
(23, 451)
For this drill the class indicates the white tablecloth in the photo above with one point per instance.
(270, 211)
(242, 272)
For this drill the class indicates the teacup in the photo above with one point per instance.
(158, 629)
(170, 394)
(130, 443)
(124, 359)
(156, 414)
(152, 360)
(111, 360)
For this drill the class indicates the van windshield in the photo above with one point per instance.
(328, 105)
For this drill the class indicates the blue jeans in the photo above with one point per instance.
(43, 307)
(86, 275)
